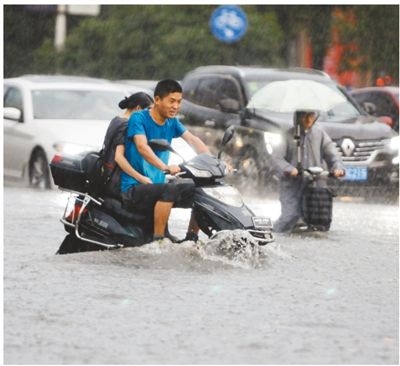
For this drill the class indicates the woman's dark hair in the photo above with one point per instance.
(167, 86)
(138, 99)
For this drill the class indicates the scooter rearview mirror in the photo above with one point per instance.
(228, 134)
(161, 145)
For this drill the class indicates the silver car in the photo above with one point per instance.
(48, 114)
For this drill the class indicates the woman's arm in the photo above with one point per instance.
(127, 168)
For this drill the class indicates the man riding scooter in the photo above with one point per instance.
(158, 122)
(305, 145)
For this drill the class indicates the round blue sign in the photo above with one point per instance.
(228, 23)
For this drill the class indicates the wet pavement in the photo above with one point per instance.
(327, 298)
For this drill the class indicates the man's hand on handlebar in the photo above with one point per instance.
(338, 173)
(293, 173)
(172, 169)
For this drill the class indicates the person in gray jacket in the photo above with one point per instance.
(316, 150)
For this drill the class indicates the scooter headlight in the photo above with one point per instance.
(198, 173)
(225, 194)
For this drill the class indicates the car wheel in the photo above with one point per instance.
(247, 178)
(39, 175)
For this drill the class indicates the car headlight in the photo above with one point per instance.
(272, 140)
(225, 194)
(394, 143)
(73, 149)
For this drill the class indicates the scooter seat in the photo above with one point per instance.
(115, 207)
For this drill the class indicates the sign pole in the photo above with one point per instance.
(60, 32)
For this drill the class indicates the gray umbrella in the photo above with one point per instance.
(290, 95)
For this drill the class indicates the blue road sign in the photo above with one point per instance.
(228, 23)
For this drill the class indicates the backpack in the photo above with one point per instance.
(93, 167)
(101, 170)
(97, 177)
(115, 135)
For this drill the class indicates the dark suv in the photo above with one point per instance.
(260, 102)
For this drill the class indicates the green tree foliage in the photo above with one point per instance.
(21, 29)
(315, 20)
(159, 41)
(377, 35)
(155, 41)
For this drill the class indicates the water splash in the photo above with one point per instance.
(227, 249)
(236, 248)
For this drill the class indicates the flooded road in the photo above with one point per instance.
(328, 298)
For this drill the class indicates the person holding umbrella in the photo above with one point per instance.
(305, 145)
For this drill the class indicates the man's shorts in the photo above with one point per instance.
(185, 195)
(143, 197)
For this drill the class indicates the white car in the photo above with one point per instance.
(48, 114)
(45, 114)
(149, 85)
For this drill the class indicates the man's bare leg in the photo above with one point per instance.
(193, 226)
(192, 231)
(162, 211)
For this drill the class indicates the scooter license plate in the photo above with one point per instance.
(356, 173)
(262, 222)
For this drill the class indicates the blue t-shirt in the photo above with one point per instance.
(141, 123)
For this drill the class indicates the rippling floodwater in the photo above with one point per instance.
(328, 298)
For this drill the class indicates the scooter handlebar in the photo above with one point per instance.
(319, 173)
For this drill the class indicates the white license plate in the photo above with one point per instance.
(356, 173)
(262, 222)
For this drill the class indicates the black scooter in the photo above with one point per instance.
(101, 223)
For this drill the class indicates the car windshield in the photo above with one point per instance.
(75, 104)
(289, 95)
